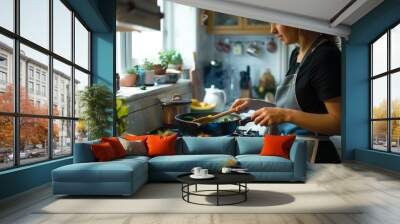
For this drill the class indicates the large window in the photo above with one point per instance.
(385, 92)
(44, 64)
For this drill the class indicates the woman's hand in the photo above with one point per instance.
(270, 116)
(241, 104)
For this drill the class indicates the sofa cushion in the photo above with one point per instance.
(134, 147)
(159, 145)
(277, 145)
(257, 163)
(83, 152)
(116, 145)
(249, 145)
(112, 171)
(185, 163)
(103, 152)
(208, 145)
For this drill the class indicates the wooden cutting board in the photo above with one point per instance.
(197, 81)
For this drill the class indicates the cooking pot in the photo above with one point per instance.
(186, 127)
(174, 107)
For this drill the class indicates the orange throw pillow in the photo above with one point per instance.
(103, 152)
(275, 145)
(161, 145)
(135, 137)
(116, 145)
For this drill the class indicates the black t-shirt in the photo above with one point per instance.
(319, 77)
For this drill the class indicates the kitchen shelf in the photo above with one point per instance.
(220, 23)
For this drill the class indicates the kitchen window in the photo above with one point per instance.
(39, 49)
(384, 91)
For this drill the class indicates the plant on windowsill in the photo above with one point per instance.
(96, 103)
(130, 78)
(171, 59)
(149, 72)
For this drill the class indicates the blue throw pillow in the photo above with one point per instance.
(83, 152)
(208, 145)
(249, 145)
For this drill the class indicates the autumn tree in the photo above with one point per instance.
(380, 127)
(33, 131)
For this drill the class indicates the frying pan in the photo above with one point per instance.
(214, 128)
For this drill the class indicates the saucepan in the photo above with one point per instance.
(223, 126)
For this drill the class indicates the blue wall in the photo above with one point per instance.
(99, 16)
(356, 85)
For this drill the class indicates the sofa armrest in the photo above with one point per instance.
(298, 155)
(83, 152)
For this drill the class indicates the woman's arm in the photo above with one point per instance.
(321, 123)
(250, 104)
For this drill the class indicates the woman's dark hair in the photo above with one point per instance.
(333, 39)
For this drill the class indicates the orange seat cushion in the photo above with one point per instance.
(158, 145)
(103, 152)
(275, 145)
(116, 145)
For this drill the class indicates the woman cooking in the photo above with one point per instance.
(308, 101)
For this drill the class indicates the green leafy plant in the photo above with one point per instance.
(148, 65)
(96, 103)
(134, 70)
(122, 113)
(170, 57)
(176, 58)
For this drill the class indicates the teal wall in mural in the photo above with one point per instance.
(355, 141)
(99, 16)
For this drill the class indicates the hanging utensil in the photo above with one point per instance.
(272, 46)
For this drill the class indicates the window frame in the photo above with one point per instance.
(388, 74)
(16, 114)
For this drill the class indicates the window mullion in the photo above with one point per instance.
(73, 82)
(16, 84)
(389, 104)
(50, 81)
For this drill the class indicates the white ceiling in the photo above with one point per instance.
(321, 9)
(316, 15)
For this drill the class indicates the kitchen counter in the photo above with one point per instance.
(145, 112)
(134, 93)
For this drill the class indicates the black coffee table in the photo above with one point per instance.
(238, 179)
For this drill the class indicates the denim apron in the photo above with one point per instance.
(320, 148)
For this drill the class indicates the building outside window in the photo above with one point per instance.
(385, 94)
(43, 77)
(30, 87)
(3, 78)
(56, 128)
(3, 72)
(30, 72)
(43, 90)
(37, 74)
(3, 61)
(38, 89)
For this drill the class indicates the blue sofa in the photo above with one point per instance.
(125, 176)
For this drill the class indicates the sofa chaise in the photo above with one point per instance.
(125, 176)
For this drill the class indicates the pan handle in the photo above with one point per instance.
(244, 121)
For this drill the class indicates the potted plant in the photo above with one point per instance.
(130, 78)
(149, 72)
(171, 59)
(96, 103)
(159, 69)
(176, 61)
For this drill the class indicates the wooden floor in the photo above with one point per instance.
(377, 188)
